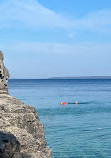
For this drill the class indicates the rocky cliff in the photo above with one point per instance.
(4, 75)
(22, 134)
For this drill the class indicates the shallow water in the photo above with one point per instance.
(82, 131)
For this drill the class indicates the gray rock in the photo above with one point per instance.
(23, 122)
(4, 75)
(9, 145)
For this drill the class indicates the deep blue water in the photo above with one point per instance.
(82, 131)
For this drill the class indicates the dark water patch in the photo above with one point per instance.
(80, 103)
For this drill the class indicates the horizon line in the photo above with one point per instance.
(75, 77)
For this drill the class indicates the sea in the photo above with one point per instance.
(71, 131)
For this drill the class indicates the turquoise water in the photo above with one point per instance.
(82, 131)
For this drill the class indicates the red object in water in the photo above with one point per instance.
(63, 103)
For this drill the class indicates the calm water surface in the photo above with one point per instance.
(82, 131)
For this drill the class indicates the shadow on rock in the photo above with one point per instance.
(9, 146)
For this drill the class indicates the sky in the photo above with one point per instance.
(56, 38)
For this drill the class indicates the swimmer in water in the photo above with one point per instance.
(65, 103)
(76, 102)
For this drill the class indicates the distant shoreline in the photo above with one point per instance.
(83, 77)
(51, 78)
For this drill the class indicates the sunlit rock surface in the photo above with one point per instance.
(22, 121)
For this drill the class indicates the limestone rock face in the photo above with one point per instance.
(4, 75)
(22, 121)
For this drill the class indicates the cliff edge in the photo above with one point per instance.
(4, 75)
(22, 134)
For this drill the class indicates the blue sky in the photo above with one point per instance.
(49, 38)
